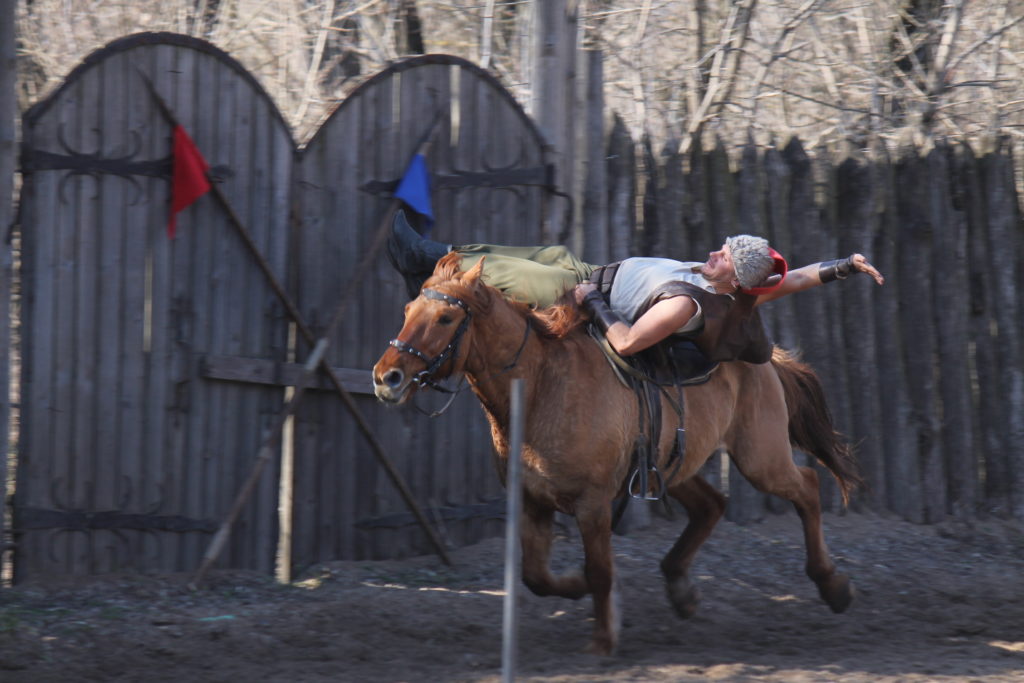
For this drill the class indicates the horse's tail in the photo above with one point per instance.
(810, 421)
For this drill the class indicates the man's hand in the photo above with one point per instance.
(861, 264)
(581, 290)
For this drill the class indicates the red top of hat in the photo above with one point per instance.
(780, 268)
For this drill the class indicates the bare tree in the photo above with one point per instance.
(828, 70)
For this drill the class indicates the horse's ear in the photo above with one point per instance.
(473, 274)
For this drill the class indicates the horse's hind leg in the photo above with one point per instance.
(772, 470)
(536, 535)
(704, 507)
(835, 588)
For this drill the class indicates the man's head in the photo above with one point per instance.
(752, 259)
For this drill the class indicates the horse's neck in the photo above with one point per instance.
(498, 342)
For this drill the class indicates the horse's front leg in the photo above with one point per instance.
(595, 526)
(536, 535)
(704, 507)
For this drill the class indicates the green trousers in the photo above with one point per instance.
(538, 276)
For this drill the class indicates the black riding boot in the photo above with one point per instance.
(412, 255)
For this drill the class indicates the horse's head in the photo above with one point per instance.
(436, 323)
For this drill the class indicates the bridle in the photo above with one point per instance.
(426, 376)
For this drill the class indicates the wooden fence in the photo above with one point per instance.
(152, 367)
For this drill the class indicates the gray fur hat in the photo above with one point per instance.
(751, 258)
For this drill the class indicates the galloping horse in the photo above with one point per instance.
(582, 424)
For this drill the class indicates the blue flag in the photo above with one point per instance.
(414, 189)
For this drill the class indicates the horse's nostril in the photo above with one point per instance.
(393, 378)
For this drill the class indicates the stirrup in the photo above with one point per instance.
(642, 474)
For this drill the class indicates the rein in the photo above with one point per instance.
(426, 376)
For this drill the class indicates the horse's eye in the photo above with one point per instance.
(445, 319)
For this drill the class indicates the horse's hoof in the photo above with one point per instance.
(684, 596)
(837, 592)
(601, 647)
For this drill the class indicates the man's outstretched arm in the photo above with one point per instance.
(819, 273)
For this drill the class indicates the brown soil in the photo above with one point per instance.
(934, 603)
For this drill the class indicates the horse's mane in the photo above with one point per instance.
(555, 322)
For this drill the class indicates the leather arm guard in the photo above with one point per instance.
(839, 269)
(600, 312)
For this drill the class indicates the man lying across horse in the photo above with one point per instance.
(585, 434)
(639, 302)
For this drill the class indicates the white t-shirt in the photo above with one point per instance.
(637, 278)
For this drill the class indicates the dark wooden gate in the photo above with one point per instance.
(153, 367)
(490, 178)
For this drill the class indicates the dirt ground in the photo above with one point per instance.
(934, 603)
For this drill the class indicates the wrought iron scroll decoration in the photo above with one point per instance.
(94, 164)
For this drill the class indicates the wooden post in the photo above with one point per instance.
(8, 127)
(510, 623)
(857, 221)
(595, 189)
(552, 95)
(621, 191)
(950, 277)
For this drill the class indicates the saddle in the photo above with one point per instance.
(675, 362)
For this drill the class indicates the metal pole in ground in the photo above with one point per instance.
(513, 487)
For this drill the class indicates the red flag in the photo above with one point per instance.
(189, 181)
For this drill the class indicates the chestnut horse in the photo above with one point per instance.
(581, 425)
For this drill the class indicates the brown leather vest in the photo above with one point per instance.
(732, 330)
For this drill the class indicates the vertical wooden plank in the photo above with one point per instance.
(237, 444)
(809, 245)
(109, 549)
(547, 104)
(306, 266)
(355, 457)
(188, 448)
(857, 227)
(81, 256)
(722, 194)
(413, 95)
(645, 237)
(476, 221)
(621, 192)
(276, 243)
(8, 135)
(825, 176)
(595, 192)
(38, 342)
(779, 231)
(902, 470)
(703, 188)
(673, 241)
(66, 544)
(131, 491)
(382, 160)
(161, 471)
(987, 408)
(953, 309)
(467, 154)
(918, 317)
(1003, 246)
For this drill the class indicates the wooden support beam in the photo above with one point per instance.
(263, 371)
